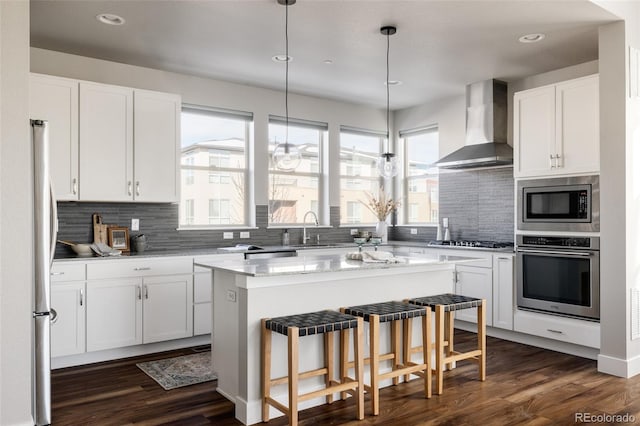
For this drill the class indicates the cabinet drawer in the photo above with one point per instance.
(68, 271)
(579, 332)
(138, 267)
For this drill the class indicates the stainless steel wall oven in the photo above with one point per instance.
(559, 275)
(567, 204)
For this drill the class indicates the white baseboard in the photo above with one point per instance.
(129, 351)
(619, 367)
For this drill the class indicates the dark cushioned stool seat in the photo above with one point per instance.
(312, 323)
(394, 313)
(387, 311)
(450, 302)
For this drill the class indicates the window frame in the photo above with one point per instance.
(320, 162)
(382, 139)
(406, 180)
(246, 172)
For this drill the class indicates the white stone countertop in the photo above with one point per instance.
(311, 264)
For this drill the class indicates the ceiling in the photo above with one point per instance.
(440, 46)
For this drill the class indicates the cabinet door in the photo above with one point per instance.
(68, 329)
(168, 308)
(202, 318)
(55, 99)
(474, 282)
(156, 145)
(114, 313)
(534, 131)
(106, 142)
(578, 125)
(503, 292)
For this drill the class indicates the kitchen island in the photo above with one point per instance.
(244, 292)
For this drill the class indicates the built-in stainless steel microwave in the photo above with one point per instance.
(567, 204)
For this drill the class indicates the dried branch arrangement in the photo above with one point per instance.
(380, 205)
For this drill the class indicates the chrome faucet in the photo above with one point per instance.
(305, 237)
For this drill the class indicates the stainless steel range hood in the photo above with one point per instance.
(486, 136)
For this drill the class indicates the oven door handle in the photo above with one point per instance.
(557, 253)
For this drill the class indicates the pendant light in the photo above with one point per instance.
(387, 163)
(286, 156)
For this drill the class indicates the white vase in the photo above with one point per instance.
(381, 230)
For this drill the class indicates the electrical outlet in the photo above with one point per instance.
(445, 222)
(245, 234)
(231, 296)
(135, 224)
(227, 235)
(354, 232)
(414, 231)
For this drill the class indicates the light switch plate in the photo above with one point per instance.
(245, 234)
(135, 224)
(445, 222)
(227, 235)
(414, 231)
(231, 296)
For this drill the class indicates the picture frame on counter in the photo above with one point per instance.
(118, 237)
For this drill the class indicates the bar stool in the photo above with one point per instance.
(445, 305)
(294, 327)
(391, 312)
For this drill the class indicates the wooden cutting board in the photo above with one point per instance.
(99, 229)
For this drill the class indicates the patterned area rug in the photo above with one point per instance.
(180, 371)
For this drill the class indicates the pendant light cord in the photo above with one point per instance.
(387, 84)
(286, 78)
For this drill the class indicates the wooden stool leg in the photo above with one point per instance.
(265, 351)
(449, 321)
(374, 365)
(328, 362)
(482, 338)
(439, 347)
(395, 347)
(293, 340)
(344, 358)
(406, 342)
(358, 356)
(426, 351)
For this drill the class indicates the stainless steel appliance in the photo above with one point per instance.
(479, 244)
(46, 224)
(567, 204)
(559, 275)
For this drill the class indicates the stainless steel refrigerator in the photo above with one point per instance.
(45, 229)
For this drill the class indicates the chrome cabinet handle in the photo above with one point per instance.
(57, 273)
(551, 161)
(555, 331)
(503, 258)
(146, 268)
(74, 186)
(139, 293)
(81, 297)
(129, 188)
(557, 161)
(146, 291)
(138, 188)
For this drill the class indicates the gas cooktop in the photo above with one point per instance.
(473, 244)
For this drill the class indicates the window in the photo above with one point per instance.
(420, 175)
(292, 194)
(359, 151)
(215, 147)
(219, 212)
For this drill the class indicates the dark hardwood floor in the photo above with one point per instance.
(525, 385)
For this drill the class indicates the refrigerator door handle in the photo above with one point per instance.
(54, 224)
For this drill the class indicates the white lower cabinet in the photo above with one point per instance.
(569, 330)
(503, 301)
(475, 282)
(68, 328)
(114, 313)
(166, 308)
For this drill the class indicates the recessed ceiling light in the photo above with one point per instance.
(110, 19)
(327, 62)
(282, 58)
(392, 83)
(531, 38)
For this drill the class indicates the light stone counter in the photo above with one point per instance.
(244, 292)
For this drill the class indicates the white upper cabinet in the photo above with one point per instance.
(156, 130)
(55, 99)
(557, 129)
(106, 142)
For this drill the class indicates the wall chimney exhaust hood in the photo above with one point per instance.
(486, 135)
